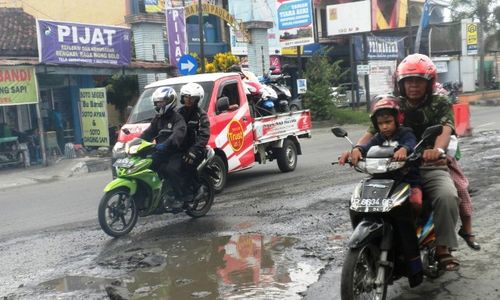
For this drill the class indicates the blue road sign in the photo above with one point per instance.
(187, 65)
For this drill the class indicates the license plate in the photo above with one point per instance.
(123, 163)
(369, 205)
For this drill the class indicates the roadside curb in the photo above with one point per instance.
(486, 102)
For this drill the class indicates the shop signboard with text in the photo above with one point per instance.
(82, 44)
(17, 85)
(94, 116)
(176, 28)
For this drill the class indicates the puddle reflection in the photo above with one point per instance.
(230, 267)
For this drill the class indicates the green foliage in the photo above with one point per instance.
(349, 116)
(121, 90)
(321, 75)
(220, 63)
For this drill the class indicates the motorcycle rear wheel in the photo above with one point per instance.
(117, 212)
(201, 207)
(359, 273)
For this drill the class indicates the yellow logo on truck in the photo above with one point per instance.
(235, 135)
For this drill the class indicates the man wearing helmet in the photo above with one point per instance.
(198, 132)
(416, 78)
(169, 129)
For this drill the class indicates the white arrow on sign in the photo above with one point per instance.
(189, 66)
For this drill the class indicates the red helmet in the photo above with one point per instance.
(416, 65)
(387, 103)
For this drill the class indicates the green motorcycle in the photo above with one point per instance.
(139, 191)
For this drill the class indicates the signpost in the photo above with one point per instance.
(187, 65)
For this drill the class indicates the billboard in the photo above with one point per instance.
(82, 44)
(17, 85)
(295, 22)
(389, 14)
(340, 18)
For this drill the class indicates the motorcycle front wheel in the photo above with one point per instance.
(359, 273)
(200, 207)
(117, 212)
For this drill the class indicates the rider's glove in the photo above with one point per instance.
(189, 158)
(161, 147)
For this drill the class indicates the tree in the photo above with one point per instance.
(487, 12)
(120, 91)
(320, 75)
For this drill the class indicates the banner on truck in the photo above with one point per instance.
(94, 116)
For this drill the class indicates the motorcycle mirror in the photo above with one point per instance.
(432, 132)
(339, 132)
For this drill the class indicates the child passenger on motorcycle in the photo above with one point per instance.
(385, 118)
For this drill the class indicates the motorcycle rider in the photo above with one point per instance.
(416, 77)
(385, 119)
(198, 134)
(167, 161)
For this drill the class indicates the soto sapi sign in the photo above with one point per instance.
(83, 44)
(94, 117)
(17, 85)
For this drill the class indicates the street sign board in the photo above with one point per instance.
(187, 65)
(363, 69)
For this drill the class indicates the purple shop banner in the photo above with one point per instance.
(83, 44)
(176, 26)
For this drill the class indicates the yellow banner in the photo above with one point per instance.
(94, 117)
(292, 50)
(471, 34)
(18, 86)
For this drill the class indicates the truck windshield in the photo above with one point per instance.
(144, 110)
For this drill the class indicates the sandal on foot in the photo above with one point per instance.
(469, 239)
(446, 262)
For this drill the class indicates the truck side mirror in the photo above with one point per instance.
(128, 110)
(222, 104)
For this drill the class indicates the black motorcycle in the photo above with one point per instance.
(385, 244)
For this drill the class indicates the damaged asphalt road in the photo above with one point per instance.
(270, 235)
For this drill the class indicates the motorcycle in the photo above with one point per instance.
(277, 83)
(261, 98)
(454, 89)
(138, 191)
(385, 244)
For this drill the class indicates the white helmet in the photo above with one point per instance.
(166, 94)
(194, 90)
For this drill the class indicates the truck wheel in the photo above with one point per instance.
(220, 169)
(286, 156)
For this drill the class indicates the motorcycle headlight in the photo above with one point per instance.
(118, 150)
(379, 165)
(133, 149)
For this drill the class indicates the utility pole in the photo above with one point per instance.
(202, 42)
